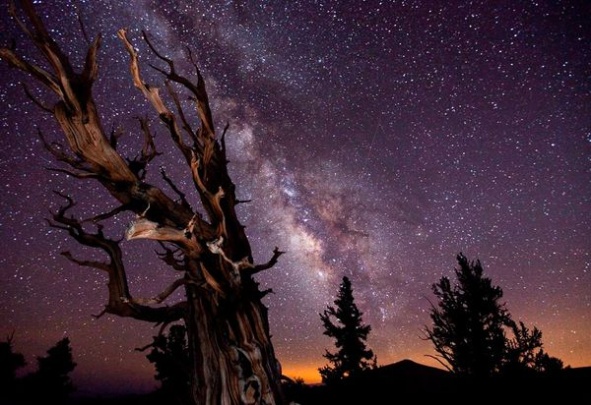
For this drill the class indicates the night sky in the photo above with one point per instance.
(376, 140)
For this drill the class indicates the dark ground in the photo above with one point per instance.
(407, 382)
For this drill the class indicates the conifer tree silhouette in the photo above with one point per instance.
(350, 334)
(525, 353)
(469, 322)
(10, 362)
(170, 356)
(51, 382)
(470, 326)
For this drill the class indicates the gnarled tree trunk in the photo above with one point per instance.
(232, 355)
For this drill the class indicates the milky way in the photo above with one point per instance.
(375, 140)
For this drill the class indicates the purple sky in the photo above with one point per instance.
(376, 139)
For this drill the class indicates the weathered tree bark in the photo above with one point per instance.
(232, 354)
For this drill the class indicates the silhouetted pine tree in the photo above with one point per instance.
(170, 356)
(350, 336)
(51, 382)
(470, 325)
(525, 353)
(10, 362)
(469, 322)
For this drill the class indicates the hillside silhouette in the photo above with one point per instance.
(407, 380)
(403, 382)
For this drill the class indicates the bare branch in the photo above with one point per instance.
(181, 113)
(90, 70)
(35, 101)
(86, 263)
(120, 300)
(211, 201)
(163, 295)
(215, 247)
(440, 362)
(169, 258)
(142, 228)
(151, 93)
(266, 292)
(16, 61)
(60, 155)
(147, 154)
(181, 195)
(100, 314)
(106, 215)
(114, 137)
(73, 174)
(198, 91)
(153, 96)
(223, 142)
(81, 24)
(269, 264)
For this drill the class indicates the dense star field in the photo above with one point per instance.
(375, 139)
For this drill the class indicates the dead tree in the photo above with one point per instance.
(233, 360)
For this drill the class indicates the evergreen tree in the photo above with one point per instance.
(350, 336)
(469, 323)
(51, 382)
(544, 363)
(10, 362)
(170, 356)
(525, 353)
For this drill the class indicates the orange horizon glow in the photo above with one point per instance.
(309, 372)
